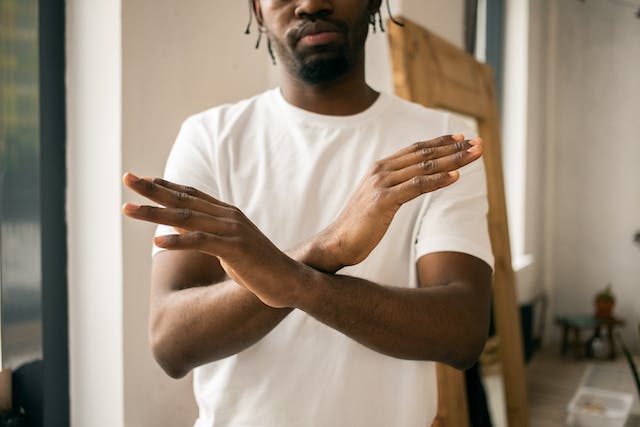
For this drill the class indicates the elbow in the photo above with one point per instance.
(166, 354)
(470, 343)
(166, 358)
(467, 358)
(468, 353)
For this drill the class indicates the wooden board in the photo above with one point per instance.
(431, 71)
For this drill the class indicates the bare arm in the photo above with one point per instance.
(196, 317)
(445, 320)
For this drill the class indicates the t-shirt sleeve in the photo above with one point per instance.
(190, 164)
(455, 218)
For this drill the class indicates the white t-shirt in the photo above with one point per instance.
(291, 172)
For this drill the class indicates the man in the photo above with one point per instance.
(322, 167)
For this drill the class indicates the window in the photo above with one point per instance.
(33, 309)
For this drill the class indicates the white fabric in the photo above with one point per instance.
(291, 172)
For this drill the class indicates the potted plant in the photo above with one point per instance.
(604, 303)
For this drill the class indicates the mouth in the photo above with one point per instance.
(319, 39)
(318, 33)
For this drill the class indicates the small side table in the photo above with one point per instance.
(572, 325)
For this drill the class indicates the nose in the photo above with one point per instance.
(314, 9)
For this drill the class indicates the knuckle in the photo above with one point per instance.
(428, 152)
(418, 182)
(149, 186)
(147, 211)
(236, 214)
(459, 157)
(171, 239)
(378, 167)
(185, 214)
(435, 181)
(200, 237)
(460, 145)
(428, 166)
(379, 178)
(190, 190)
(182, 197)
(234, 227)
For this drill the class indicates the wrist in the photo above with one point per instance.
(308, 286)
(321, 253)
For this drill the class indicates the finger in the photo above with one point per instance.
(430, 153)
(419, 185)
(184, 219)
(188, 190)
(208, 243)
(165, 196)
(432, 143)
(434, 166)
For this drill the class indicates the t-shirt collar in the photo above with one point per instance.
(310, 118)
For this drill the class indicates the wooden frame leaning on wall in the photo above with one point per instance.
(431, 71)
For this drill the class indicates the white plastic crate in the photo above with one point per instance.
(594, 407)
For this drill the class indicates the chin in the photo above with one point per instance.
(323, 70)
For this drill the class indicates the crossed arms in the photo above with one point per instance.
(222, 285)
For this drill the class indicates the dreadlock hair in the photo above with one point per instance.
(378, 14)
(372, 21)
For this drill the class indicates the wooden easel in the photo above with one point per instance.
(431, 71)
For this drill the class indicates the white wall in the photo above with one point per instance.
(531, 279)
(593, 158)
(136, 69)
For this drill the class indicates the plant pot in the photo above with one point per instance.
(604, 308)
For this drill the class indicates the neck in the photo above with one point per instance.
(343, 97)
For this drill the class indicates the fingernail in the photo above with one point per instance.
(454, 174)
(458, 137)
(131, 177)
(475, 141)
(475, 149)
(130, 207)
(158, 241)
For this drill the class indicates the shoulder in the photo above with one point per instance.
(440, 122)
(223, 118)
(414, 112)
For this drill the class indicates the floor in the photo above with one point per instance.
(553, 380)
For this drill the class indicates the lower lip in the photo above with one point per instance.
(319, 39)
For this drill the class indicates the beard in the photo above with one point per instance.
(326, 70)
(324, 64)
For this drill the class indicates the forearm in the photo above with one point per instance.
(446, 323)
(201, 324)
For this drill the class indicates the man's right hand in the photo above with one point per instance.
(418, 169)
